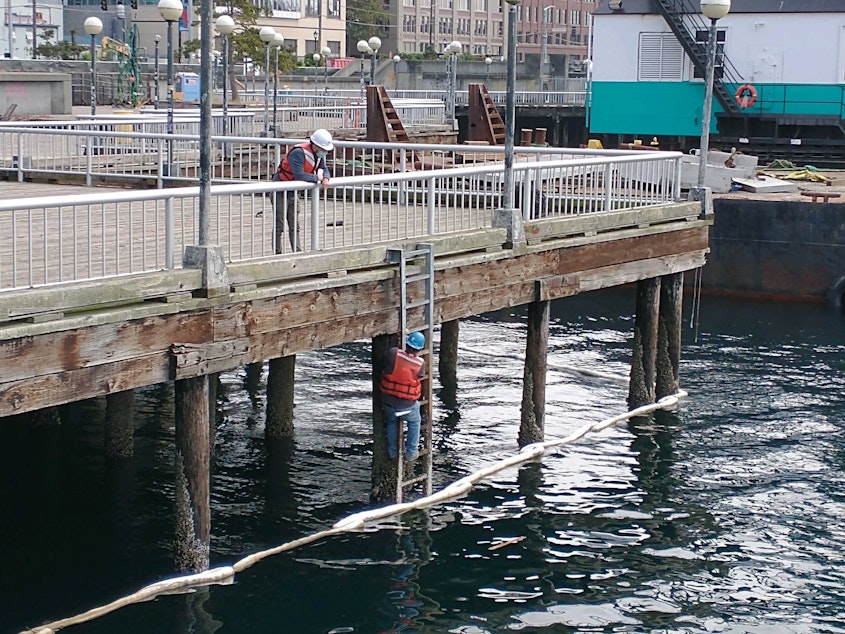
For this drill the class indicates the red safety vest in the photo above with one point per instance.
(404, 381)
(285, 173)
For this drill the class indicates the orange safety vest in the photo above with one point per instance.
(285, 173)
(404, 381)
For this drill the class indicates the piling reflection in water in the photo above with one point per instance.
(723, 516)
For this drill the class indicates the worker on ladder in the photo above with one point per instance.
(401, 388)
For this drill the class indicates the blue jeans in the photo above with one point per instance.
(412, 436)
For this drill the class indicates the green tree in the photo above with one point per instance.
(57, 50)
(364, 18)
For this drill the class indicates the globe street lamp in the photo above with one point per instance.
(155, 73)
(277, 44)
(714, 10)
(267, 35)
(316, 58)
(396, 60)
(375, 44)
(170, 11)
(487, 62)
(225, 25)
(93, 26)
(326, 51)
(364, 49)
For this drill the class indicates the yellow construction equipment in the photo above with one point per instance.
(108, 44)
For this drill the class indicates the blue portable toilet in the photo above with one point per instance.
(186, 87)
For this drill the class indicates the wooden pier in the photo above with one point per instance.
(74, 341)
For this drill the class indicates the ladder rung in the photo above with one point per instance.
(418, 277)
(422, 302)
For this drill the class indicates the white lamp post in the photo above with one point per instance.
(453, 49)
(155, 73)
(364, 49)
(170, 10)
(487, 62)
(93, 27)
(544, 46)
(277, 45)
(510, 108)
(326, 51)
(225, 25)
(267, 35)
(396, 60)
(714, 10)
(375, 44)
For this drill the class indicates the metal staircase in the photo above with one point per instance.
(383, 122)
(416, 268)
(678, 15)
(485, 122)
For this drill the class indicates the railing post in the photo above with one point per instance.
(403, 185)
(608, 186)
(676, 192)
(431, 205)
(315, 218)
(160, 166)
(169, 238)
(20, 157)
(88, 144)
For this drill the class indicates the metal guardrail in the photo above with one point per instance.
(134, 148)
(46, 241)
(569, 98)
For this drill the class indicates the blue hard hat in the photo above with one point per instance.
(416, 340)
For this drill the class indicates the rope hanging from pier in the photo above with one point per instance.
(224, 575)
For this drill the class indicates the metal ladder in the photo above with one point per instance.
(415, 266)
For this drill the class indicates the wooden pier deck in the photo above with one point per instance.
(75, 341)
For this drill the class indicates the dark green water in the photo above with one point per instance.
(725, 516)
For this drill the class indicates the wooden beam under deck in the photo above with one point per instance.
(118, 347)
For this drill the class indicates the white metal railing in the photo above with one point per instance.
(306, 98)
(136, 148)
(92, 236)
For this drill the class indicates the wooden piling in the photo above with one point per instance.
(668, 379)
(280, 384)
(643, 359)
(533, 408)
(119, 427)
(193, 515)
(383, 477)
(447, 362)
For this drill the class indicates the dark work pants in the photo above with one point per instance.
(287, 201)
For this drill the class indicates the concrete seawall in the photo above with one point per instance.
(777, 248)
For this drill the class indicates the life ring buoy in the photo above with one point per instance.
(746, 95)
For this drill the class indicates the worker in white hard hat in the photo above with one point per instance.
(303, 162)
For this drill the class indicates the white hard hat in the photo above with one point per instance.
(322, 139)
